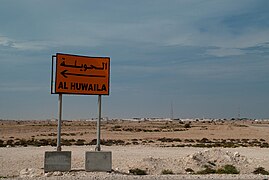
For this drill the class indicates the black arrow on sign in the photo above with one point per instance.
(64, 73)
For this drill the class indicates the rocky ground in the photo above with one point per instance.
(180, 163)
(161, 149)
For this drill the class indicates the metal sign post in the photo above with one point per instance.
(80, 75)
(59, 123)
(98, 147)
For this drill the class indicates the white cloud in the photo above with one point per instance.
(225, 42)
(23, 45)
(30, 45)
(4, 41)
(222, 52)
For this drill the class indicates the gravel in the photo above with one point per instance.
(27, 162)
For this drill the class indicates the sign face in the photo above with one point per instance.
(82, 75)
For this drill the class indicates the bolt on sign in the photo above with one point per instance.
(81, 75)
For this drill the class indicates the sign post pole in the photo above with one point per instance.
(98, 147)
(59, 123)
(83, 75)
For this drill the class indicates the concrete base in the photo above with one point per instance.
(98, 161)
(57, 161)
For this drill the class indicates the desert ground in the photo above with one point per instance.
(162, 149)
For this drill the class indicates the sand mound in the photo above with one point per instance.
(217, 158)
(214, 158)
(157, 165)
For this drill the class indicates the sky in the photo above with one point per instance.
(199, 58)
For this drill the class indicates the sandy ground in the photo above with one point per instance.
(15, 160)
(153, 146)
(129, 130)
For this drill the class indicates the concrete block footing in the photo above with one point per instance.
(98, 161)
(57, 161)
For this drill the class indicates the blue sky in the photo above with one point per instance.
(209, 58)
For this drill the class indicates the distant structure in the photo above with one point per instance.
(239, 112)
(172, 111)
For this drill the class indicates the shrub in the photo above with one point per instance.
(164, 139)
(189, 170)
(117, 126)
(207, 170)
(36, 143)
(229, 145)
(264, 145)
(211, 163)
(23, 142)
(189, 141)
(135, 143)
(199, 145)
(93, 142)
(53, 142)
(66, 142)
(205, 140)
(187, 126)
(228, 169)
(44, 142)
(80, 142)
(10, 142)
(108, 142)
(52, 134)
(111, 142)
(137, 171)
(167, 171)
(260, 170)
(177, 140)
(1, 143)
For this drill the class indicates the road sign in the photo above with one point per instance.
(82, 75)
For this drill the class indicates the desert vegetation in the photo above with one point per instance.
(227, 169)
(161, 142)
(261, 170)
(205, 134)
(167, 171)
(137, 171)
